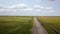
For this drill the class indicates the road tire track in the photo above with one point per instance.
(37, 27)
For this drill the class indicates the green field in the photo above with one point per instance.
(53, 21)
(15, 24)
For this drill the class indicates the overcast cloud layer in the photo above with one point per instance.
(23, 9)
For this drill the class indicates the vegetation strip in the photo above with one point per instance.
(50, 22)
(57, 31)
(15, 24)
(54, 29)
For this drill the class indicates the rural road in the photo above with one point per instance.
(37, 27)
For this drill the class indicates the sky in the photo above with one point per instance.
(30, 7)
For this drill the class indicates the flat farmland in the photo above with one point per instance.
(51, 23)
(15, 24)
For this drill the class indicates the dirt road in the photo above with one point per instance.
(37, 27)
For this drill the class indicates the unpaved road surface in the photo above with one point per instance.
(37, 27)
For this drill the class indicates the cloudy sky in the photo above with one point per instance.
(30, 7)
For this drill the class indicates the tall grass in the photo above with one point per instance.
(54, 21)
(15, 25)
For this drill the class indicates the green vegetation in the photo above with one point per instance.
(15, 24)
(53, 21)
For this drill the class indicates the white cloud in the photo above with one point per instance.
(28, 9)
(50, 11)
(37, 10)
(45, 9)
(37, 6)
(3, 6)
(13, 7)
(48, 7)
(19, 6)
(23, 7)
(41, 7)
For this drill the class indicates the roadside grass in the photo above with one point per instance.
(54, 21)
(15, 24)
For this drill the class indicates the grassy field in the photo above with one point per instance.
(15, 25)
(53, 21)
